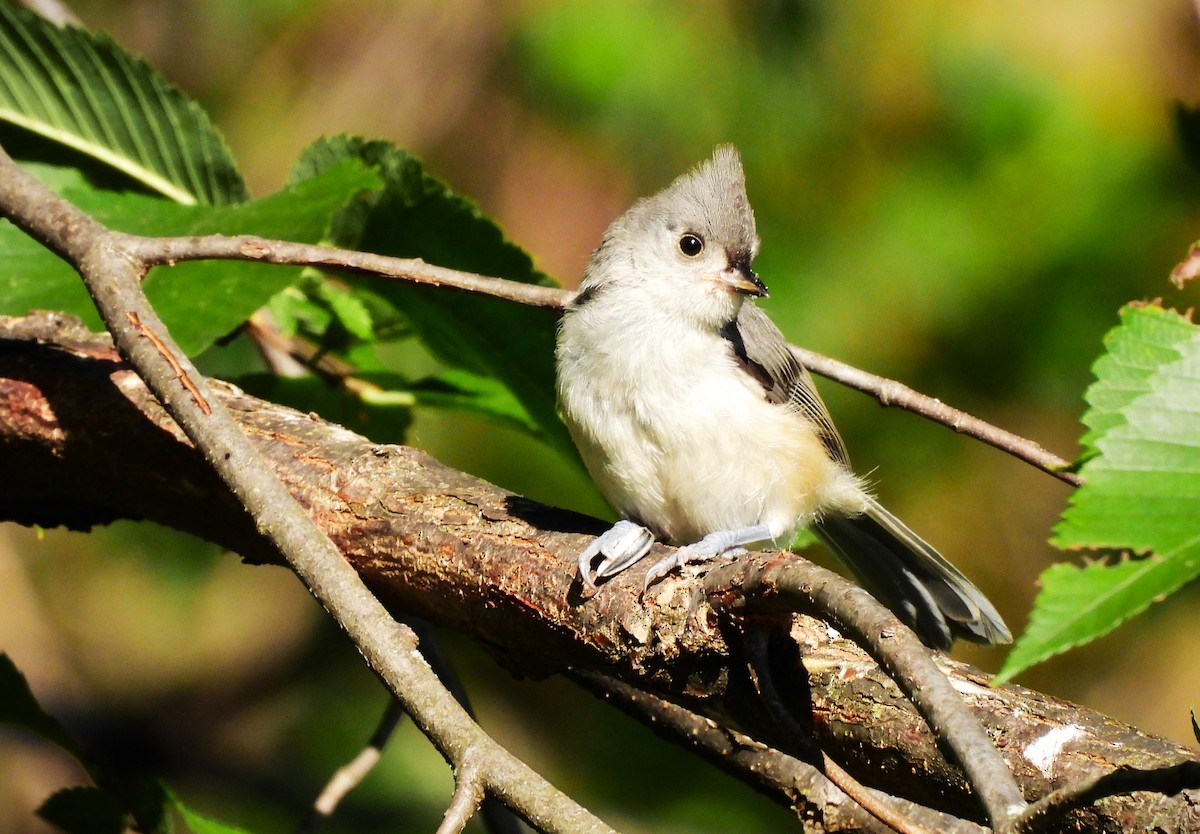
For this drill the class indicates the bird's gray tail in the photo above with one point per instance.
(912, 579)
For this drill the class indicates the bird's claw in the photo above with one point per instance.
(622, 545)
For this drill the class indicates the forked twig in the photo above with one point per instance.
(469, 792)
(797, 585)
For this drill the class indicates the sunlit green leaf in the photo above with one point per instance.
(83, 91)
(417, 216)
(198, 823)
(465, 391)
(1126, 368)
(202, 301)
(1141, 489)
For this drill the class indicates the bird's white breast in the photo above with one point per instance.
(678, 437)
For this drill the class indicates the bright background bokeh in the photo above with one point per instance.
(957, 195)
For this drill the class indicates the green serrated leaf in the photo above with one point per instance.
(19, 707)
(83, 810)
(417, 216)
(1078, 604)
(1141, 489)
(1123, 372)
(293, 312)
(202, 301)
(198, 823)
(83, 91)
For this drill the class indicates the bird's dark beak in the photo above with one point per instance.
(742, 279)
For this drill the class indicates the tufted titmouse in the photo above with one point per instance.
(701, 428)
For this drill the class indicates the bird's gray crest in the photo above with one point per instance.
(709, 200)
(713, 195)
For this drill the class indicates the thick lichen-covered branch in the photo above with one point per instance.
(85, 443)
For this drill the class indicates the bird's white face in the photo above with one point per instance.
(689, 270)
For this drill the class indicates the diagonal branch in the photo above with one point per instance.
(112, 278)
(759, 655)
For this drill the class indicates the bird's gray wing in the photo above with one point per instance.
(763, 352)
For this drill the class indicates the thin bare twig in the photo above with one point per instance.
(164, 251)
(1165, 780)
(797, 783)
(281, 354)
(350, 775)
(889, 392)
(496, 816)
(112, 275)
(469, 792)
(158, 251)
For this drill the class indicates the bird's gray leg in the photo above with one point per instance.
(720, 543)
(622, 545)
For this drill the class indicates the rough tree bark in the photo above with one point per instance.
(83, 443)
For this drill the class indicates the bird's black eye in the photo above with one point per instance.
(691, 245)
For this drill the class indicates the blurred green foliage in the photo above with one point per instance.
(957, 195)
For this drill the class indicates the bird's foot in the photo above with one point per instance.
(622, 545)
(726, 543)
